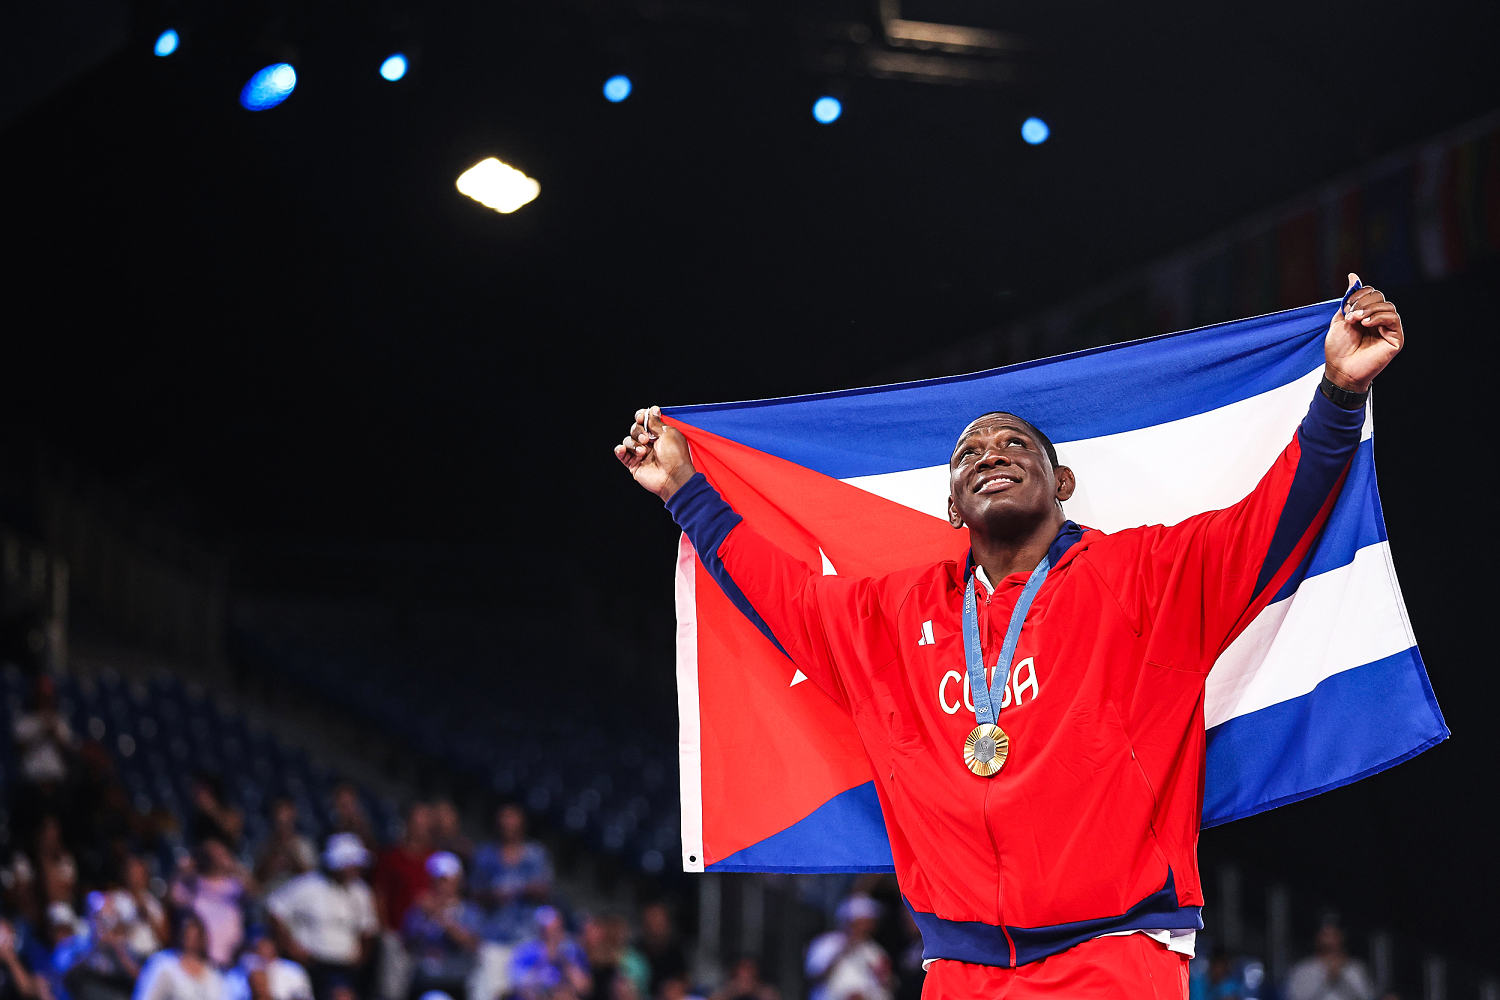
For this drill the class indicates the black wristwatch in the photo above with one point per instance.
(1343, 397)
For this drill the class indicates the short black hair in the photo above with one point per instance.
(1030, 427)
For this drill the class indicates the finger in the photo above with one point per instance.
(1363, 299)
(1381, 313)
(1376, 310)
(654, 425)
(635, 446)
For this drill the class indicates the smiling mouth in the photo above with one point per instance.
(997, 484)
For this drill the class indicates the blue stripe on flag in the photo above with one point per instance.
(845, 834)
(1106, 390)
(1353, 524)
(1294, 750)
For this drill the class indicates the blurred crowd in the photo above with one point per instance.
(100, 900)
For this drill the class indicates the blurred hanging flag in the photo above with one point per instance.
(1324, 687)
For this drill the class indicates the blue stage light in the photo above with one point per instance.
(617, 88)
(1035, 131)
(394, 67)
(826, 110)
(166, 42)
(269, 87)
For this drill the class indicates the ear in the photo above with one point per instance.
(1066, 482)
(954, 517)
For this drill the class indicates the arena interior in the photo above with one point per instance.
(317, 568)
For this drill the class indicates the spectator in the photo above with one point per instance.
(262, 974)
(44, 744)
(448, 833)
(212, 818)
(1216, 981)
(617, 968)
(349, 814)
(660, 945)
(16, 980)
(677, 988)
(18, 881)
(910, 975)
(62, 926)
(140, 912)
(56, 868)
(284, 853)
(845, 964)
(1329, 973)
(550, 966)
(512, 877)
(744, 983)
(214, 889)
(441, 930)
(98, 965)
(102, 819)
(401, 872)
(184, 973)
(326, 921)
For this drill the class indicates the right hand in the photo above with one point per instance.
(657, 456)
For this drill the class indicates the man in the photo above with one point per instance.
(1329, 973)
(401, 870)
(1052, 849)
(326, 921)
(99, 965)
(847, 963)
(441, 930)
(512, 877)
(551, 965)
(262, 974)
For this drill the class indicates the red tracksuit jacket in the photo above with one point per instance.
(1092, 825)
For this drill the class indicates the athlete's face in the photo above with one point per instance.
(999, 477)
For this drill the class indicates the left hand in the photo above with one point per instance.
(1362, 339)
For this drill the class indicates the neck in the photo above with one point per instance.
(1002, 555)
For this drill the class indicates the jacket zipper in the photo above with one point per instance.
(985, 809)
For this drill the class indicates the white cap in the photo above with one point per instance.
(345, 850)
(858, 908)
(444, 864)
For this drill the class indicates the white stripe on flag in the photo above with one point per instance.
(1153, 475)
(1336, 621)
(688, 743)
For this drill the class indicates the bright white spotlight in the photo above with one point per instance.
(1035, 131)
(166, 42)
(394, 67)
(826, 110)
(498, 185)
(617, 88)
(269, 87)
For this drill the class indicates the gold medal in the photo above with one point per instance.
(986, 749)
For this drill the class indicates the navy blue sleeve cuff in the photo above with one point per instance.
(1331, 428)
(702, 514)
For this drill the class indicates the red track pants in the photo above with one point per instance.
(1130, 967)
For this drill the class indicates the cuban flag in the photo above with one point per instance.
(1324, 687)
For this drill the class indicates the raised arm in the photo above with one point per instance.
(1210, 574)
(657, 456)
(1363, 338)
(833, 629)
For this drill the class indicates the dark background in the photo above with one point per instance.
(290, 335)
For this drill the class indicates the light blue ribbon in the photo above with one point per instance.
(985, 709)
